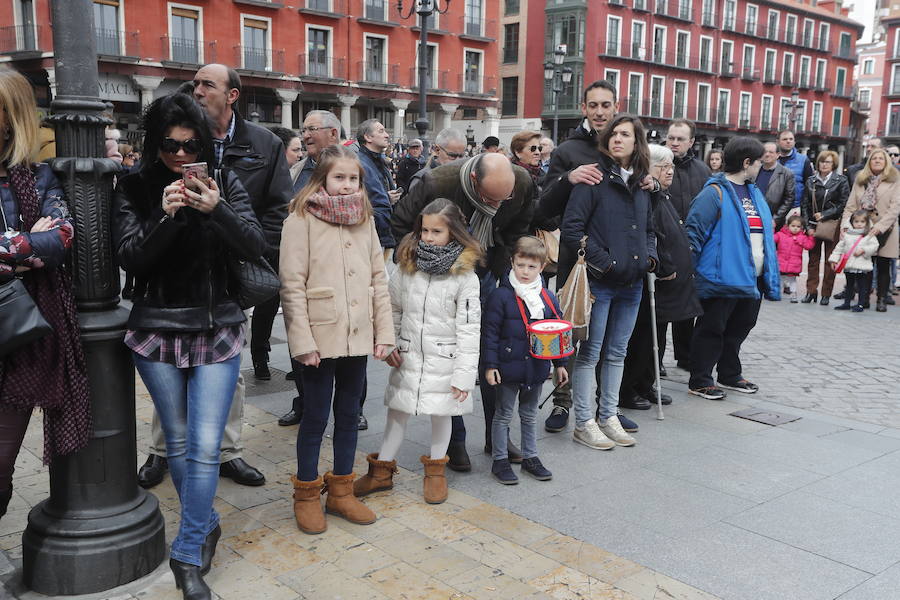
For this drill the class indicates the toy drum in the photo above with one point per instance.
(550, 339)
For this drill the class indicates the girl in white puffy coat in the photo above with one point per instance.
(435, 296)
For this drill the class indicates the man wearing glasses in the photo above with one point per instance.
(497, 199)
(321, 129)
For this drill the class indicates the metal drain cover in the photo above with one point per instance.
(764, 416)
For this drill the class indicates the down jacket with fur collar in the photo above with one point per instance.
(437, 321)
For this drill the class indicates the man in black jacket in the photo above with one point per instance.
(690, 175)
(410, 164)
(256, 156)
(776, 182)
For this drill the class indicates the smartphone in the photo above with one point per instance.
(198, 170)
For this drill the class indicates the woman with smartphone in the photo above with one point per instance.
(174, 230)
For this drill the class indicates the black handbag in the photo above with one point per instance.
(20, 320)
(256, 280)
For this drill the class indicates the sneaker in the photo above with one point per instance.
(741, 385)
(710, 393)
(840, 295)
(612, 429)
(361, 423)
(558, 419)
(858, 308)
(627, 424)
(533, 467)
(794, 299)
(590, 435)
(503, 472)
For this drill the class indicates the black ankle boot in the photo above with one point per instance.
(209, 549)
(189, 581)
(5, 497)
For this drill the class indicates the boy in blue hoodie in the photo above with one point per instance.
(507, 360)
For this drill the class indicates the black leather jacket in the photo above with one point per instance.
(180, 264)
(829, 199)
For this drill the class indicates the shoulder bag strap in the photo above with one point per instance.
(549, 302)
(521, 306)
(853, 247)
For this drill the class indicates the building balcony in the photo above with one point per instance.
(377, 74)
(821, 85)
(434, 80)
(862, 106)
(744, 123)
(708, 19)
(726, 69)
(334, 9)
(482, 86)
(321, 68)
(475, 28)
(259, 60)
(787, 80)
(20, 40)
(770, 78)
(844, 91)
(116, 45)
(750, 74)
(186, 53)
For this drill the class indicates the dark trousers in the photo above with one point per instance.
(883, 273)
(822, 247)
(718, 335)
(261, 327)
(12, 432)
(857, 283)
(335, 382)
(682, 338)
(640, 373)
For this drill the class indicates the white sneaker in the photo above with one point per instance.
(612, 429)
(590, 435)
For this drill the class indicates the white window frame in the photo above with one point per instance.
(710, 56)
(752, 66)
(773, 35)
(687, 53)
(824, 64)
(727, 105)
(665, 43)
(800, 124)
(749, 97)
(19, 20)
(329, 55)
(481, 21)
(826, 28)
(859, 95)
(747, 19)
(774, 54)
(812, 30)
(437, 50)
(640, 98)
(662, 96)
(808, 61)
(687, 91)
(844, 88)
(722, 56)
(642, 49)
(711, 4)
(618, 73)
(690, 8)
(870, 62)
(816, 116)
(609, 20)
(268, 20)
(384, 64)
(782, 103)
(762, 113)
(837, 110)
(733, 15)
(700, 88)
(787, 20)
(201, 46)
(784, 69)
(887, 123)
(481, 63)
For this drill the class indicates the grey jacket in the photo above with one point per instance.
(780, 193)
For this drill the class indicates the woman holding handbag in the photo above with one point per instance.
(821, 209)
(877, 190)
(48, 372)
(185, 330)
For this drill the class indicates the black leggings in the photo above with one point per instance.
(884, 276)
(12, 432)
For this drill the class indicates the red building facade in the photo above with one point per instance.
(355, 57)
(890, 102)
(729, 65)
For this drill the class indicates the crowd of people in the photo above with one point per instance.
(437, 262)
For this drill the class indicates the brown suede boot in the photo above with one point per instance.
(340, 500)
(379, 477)
(308, 505)
(435, 482)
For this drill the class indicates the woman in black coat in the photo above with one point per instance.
(676, 299)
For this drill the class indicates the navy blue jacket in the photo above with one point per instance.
(504, 341)
(378, 182)
(617, 221)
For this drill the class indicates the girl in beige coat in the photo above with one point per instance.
(337, 311)
(877, 190)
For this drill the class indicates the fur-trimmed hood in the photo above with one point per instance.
(465, 262)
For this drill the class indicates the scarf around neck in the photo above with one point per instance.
(868, 200)
(530, 293)
(535, 171)
(481, 222)
(437, 260)
(339, 210)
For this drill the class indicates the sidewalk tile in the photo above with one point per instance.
(505, 524)
(400, 581)
(650, 585)
(363, 558)
(565, 583)
(514, 560)
(485, 583)
(586, 558)
(442, 561)
(323, 581)
(270, 551)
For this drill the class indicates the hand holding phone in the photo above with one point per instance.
(192, 172)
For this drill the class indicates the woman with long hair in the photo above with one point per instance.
(48, 373)
(186, 329)
(877, 190)
(614, 219)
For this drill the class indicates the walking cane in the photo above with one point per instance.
(651, 288)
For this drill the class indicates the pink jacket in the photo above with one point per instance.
(790, 250)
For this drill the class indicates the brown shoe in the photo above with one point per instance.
(340, 500)
(308, 505)
(379, 477)
(435, 483)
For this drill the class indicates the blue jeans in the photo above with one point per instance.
(612, 320)
(193, 406)
(505, 395)
(341, 379)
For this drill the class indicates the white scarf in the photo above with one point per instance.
(530, 293)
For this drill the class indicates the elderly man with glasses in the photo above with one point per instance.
(321, 128)
(497, 199)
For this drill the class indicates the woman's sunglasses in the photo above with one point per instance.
(172, 146)
(536, 149)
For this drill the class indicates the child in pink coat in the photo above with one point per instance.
(791, 240)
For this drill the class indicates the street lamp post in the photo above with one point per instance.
(98, 529)
(470, 139)
(558, 76)
(426, 9)
(792, 116)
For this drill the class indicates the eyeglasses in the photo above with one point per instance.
(172, 146)
(894, 154)
(535, 148)
(312, 129)
(453, 155)
(491, 201)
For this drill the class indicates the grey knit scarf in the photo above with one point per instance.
(481, 222)
(437, 260)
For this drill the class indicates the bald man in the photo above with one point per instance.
(497, 199)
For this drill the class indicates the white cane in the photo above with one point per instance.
(651, 289)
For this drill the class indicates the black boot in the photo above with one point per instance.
(5, 497)
(880, 305)
(261, 366)
(189, 581)
(459, 458)
(209, 549)
(153, 471)
(809, 298)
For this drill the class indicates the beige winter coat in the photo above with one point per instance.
(334, 290)
(887, 209)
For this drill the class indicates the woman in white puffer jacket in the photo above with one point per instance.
(435, 296)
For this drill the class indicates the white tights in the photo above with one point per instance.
(396, 427)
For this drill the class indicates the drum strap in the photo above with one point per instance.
(547, 299)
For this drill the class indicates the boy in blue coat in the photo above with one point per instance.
(506, 358)
(729, 228)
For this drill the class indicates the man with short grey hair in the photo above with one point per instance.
(776, 183)
(373, 140)
(321, 128)
(449, 145)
